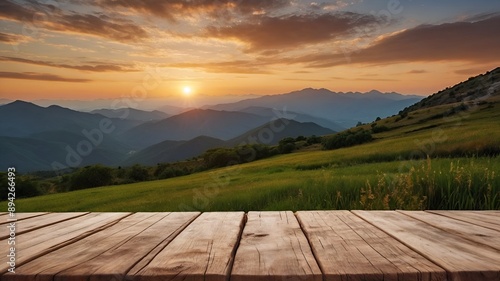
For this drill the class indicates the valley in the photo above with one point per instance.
(440, 156)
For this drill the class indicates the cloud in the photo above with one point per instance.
(178, 9)
(238, 66)
(292, 31)
(329, 6)
(10, 10)
(53, 18)
(475, 42)
(417, 71)
(39, 76)
(364, 79)
(8, 38)
(92, 68)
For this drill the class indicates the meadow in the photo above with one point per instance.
(421, 162)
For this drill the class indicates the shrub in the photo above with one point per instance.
(380, 129)
(313, 140)
(346, 139)
(91, 176)
(220, 157)
(138, 173)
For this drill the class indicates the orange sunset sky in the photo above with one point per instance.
(106, 48)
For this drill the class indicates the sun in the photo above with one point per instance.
(187, 91)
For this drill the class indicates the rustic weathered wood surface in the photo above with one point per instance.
(307, 245)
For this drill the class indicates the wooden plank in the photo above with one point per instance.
(203, 251)
(38, 222)
(46, 266)
(136, 249)
(348, 248)
(465, 230)
(477, 218)
(273, 244)
(22, 216)
(45, 240)
(461, 258)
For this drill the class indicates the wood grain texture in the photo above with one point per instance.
(479, 234)
(20, 216)
(33, 223)
(160, 230)
(46, 267)
(203, 251)
(464, 260)
(488, 219)
(273, 247)
(357, 245)
(348, 248)
(44, 240)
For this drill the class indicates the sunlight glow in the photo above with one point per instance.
(186, 91)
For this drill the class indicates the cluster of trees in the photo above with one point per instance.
(347, 138)
(221, 157)
(25, 186)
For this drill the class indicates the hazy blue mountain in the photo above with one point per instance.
(28, 154)
(300, 117)
(274, 131)
(132, 114)
(171, 151)
(270, 133)
(344, 108)
(188, 125)
(32, 137)
(21, 119)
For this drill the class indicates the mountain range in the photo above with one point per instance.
(33, 137)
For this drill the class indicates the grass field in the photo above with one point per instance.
(392, 172)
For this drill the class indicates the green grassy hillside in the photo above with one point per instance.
(444, 157)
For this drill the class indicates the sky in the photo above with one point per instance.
(109, 49)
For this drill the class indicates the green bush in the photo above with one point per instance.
(220, 157)
(379, 129)
(346, 139)
(91, 176)
(138, 173)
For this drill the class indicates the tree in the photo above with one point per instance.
(138, 173)
(286, 145)
(346, 139)
(313, 140)
(220, 157)
(91, 176)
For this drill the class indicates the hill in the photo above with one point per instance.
(36, 154)
(291, 115)
(26, 118)
(346, 109)
(172, 151)
(132, 114)
(440, 157)
(272, 132)
(188, 125)
(475, 88)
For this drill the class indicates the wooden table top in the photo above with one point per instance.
(254, 246)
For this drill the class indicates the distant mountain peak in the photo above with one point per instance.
(20, 104)
(375, 92)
